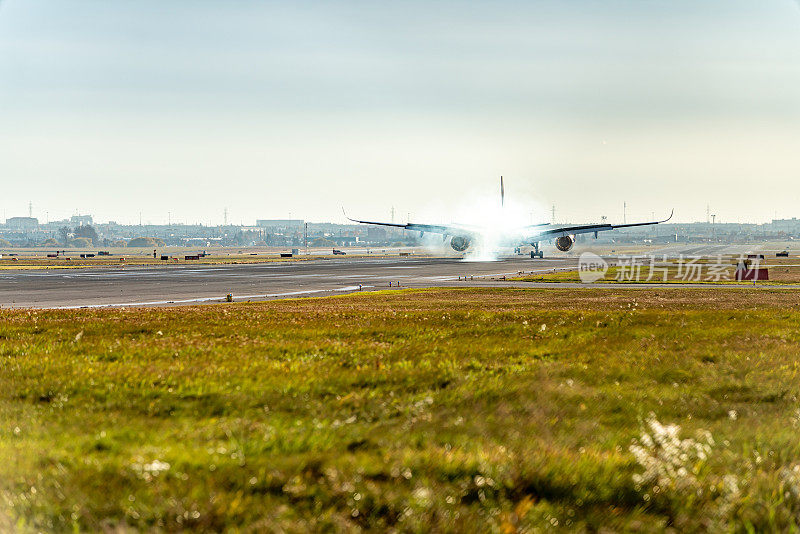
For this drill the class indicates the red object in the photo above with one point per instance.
(761, 273)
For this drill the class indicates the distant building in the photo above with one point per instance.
(293, 224)
(375, 233)
(81, 220)
(22, 223)
(344, 240)
(786, 225)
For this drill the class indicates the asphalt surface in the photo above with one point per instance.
(182, 284)
(185, 284)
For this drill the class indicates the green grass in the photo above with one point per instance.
(778, 275)
(145, 260)
(448, 410)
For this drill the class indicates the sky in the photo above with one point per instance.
(176, 111)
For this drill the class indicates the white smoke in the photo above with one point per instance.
(499, 225)
(435, 244)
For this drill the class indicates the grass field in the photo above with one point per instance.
(75, 262)
(448, 410)
(37, 258)
(703, 270)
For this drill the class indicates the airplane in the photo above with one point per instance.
(462, 236)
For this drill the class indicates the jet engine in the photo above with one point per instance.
(564, 243)
(460, 243)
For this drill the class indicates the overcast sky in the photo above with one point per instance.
(279, 108)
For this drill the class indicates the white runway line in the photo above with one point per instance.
(481, 276)
(208, 299)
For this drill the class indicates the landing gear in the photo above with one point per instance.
(536, 253)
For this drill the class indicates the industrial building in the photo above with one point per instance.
(22, 223)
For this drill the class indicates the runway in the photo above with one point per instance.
(190, 284)
(181, 284)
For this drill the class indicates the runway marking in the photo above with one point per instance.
(210, 299)
(480, 276)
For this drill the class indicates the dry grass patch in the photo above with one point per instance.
(453, 410)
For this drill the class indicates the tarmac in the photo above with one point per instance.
(186, 284)
(190, 284)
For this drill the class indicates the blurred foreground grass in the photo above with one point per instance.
(448, 410)
(701, 273)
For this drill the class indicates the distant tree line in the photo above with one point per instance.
(80, 236)
(146, 242)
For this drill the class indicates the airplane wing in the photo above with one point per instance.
(589, 228)
(533, 232)
(444, 229)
